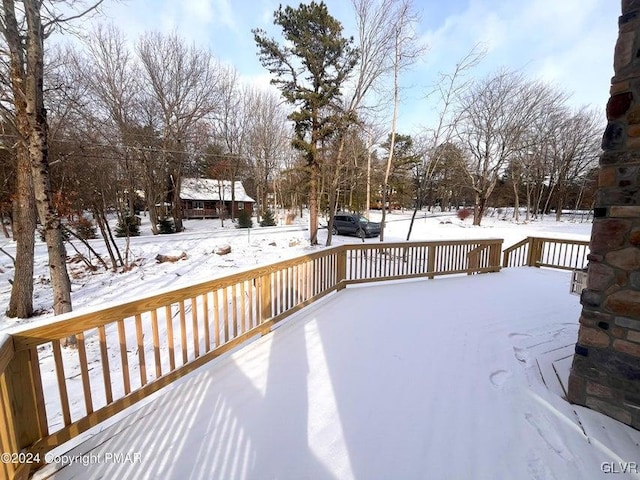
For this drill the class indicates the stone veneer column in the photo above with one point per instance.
(605, 375)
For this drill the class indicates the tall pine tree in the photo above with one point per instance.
(309, 69)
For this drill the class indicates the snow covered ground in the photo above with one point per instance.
(453, 378)
(250, 248)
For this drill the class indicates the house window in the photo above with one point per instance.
(240, 205)
(198, 205)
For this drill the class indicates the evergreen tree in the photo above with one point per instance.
(244, 219)
(309, 68)
(268, 219)
(166, 226)
(128, 227)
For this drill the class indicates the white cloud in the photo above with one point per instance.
(569, 42)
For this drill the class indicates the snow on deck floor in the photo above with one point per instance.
(437, 379)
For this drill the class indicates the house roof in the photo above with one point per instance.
(211, 189)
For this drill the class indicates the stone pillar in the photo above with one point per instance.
(605, 375)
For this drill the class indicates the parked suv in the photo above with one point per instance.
(354, 224)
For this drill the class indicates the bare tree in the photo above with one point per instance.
(406, 50)
(448, 90)
(269, 140)
(375, 41)
(182, 82)
(24, 31)
(495, 117)
(574, 151)
(231, 128)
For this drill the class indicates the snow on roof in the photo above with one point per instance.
(211, 189)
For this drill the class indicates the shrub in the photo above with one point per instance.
(464, 213)
(166, 226)
(267, 219)
(84, 228)
(244, 219)
(129, 226)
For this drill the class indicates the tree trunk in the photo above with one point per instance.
(24, 226)
(233, 195)
(38, 153)
(176, 207)
(153, 216)
(369, 154)
(313, 202)
(560, 203)
(27, 73)
(516, 203)
(103, 231)
(478, 209)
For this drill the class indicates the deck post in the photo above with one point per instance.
(341, 270)
(25, 399)
(431, 260)
(535, 252)
(265, 297)
(495, 250)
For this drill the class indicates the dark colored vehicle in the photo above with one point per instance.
(354, 224)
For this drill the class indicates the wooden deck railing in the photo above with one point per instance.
(50, 394)
(547, 252)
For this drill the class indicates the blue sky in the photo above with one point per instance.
(566, 42)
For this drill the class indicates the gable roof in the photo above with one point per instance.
(210, 189)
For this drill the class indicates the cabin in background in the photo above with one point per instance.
(210, 198)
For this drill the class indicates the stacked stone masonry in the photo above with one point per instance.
(605, 374)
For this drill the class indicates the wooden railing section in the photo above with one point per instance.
(547, 252)
(50, 394)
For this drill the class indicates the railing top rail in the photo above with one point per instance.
(561, 240)
(365, 246)
(526, 240)
(515, 246)
(73, 322)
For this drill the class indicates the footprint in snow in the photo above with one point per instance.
(521, 354)
(498, 377)
(519, 335)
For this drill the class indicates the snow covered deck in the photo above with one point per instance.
(454, 378)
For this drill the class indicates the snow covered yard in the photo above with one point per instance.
(258, 246)
(453, 378)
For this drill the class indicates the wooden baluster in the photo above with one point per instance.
(216, 319)
(172, 355)
(234, 309)
(124, 357)
(183, 332)
(141, 361)
(225, 313)
(62, 383)
(194, 324)
(156, 342)
(205, 321)
(106, 370)
(84, 373)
